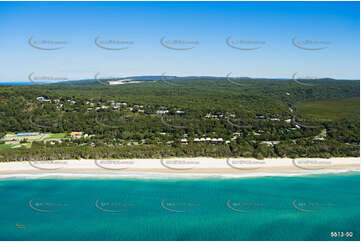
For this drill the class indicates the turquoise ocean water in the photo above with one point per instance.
(267, 208)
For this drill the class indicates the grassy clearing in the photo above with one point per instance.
(331, 109)
(57, 136)
(5, 146)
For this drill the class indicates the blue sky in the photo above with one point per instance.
(267, 26)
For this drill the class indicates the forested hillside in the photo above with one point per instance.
(184, 117)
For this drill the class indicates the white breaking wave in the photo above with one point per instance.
(160, 176)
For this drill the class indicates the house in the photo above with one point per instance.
(162, 111)
(72, 102)
(75, 134)
(184, 141)
(319, 138)
(288, 120)
(274, 119)
(42, 99)
(270, 143)
(216, 140)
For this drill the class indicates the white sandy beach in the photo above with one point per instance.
(191, 167)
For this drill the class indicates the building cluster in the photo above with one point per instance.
(208, 139)
(111, 105)
(219, 116)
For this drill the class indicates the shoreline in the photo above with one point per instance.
(200, 167)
